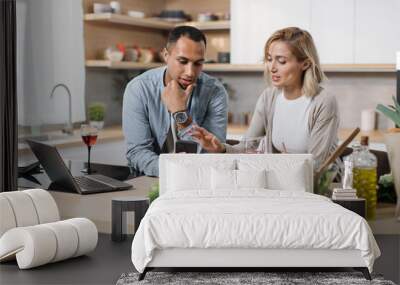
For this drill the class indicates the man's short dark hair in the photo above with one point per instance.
(185, 31)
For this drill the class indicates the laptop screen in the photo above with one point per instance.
(54, 165)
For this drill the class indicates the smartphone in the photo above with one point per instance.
(185, 146)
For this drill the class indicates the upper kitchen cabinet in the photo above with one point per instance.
(332, 28)
(252, 22)
(330, 22)
(377, 31)
(350, 35)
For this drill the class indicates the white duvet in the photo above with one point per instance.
(253, 218)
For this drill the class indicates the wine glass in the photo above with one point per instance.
(89, 137)
(254, 145)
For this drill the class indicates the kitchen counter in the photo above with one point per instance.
(375, 136)
(97, 207)
(62, 140)
(234, 132)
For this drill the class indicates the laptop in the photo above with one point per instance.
(61, 177)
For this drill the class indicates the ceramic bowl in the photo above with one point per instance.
(113, 54)
(99, 8)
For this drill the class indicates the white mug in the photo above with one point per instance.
(368, 120)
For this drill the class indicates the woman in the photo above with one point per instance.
(295, 114)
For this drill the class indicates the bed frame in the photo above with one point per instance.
(241, 259)
(246, 258)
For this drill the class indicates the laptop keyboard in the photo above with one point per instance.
(91, 185)
(108, 181)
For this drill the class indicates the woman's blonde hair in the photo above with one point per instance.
(303, 48)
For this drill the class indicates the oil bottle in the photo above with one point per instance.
(365, 177)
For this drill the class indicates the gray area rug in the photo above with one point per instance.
(229, 278)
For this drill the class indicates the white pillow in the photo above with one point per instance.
(280, 174)
(293, 178)
(251, 178)
(223, 179)
(183, 175)
(226, 179)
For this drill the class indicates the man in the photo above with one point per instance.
(163, 104)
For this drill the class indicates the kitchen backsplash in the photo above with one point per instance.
(354, 92)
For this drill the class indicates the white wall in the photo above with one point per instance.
(50, 50)
(345, 31)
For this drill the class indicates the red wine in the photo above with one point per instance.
(89, 140)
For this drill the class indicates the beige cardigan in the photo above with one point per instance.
(323, 124)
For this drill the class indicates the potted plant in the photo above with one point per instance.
(96, 115)
(154, 192)
(392, 141)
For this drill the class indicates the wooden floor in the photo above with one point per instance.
(111, 259)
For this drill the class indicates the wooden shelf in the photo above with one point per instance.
(127, 20)
(211, 67)
(225, 67)
(122, 64)
(359, 67)
(212, 25)
(153, 23)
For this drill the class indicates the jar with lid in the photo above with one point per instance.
(364, 175)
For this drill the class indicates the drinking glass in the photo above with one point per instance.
(89, 137)
(254, 144)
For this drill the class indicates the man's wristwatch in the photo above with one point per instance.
(181, 117)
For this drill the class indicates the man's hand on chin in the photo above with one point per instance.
(174, 97)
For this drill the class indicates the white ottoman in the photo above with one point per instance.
(31, 232)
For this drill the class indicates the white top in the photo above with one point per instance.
(290, 124)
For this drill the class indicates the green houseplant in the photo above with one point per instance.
(96, 114)
(391, 111)
(154, 192)
(392, 141)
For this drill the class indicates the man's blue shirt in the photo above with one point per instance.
(146, 120)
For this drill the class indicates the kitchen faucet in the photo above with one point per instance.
(68, 128)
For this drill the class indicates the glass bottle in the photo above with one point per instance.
(365, 177)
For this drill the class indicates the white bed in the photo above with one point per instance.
(220, 211)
